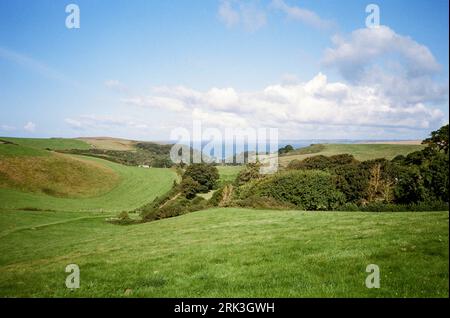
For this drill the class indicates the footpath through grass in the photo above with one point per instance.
(226, 253)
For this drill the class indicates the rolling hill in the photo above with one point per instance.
(220, 252)
(48, 143)
(359, 151)
(225, 253)
(33, 178)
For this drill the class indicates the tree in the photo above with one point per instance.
(352, 180)
(285, 149)
(380, 187)
(438, 139)
(206, 175)
(190, 187)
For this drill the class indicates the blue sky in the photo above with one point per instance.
(138, 69)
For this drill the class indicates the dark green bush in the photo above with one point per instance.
(206, 175)
(352, 180)
(321, 162)
(176, 207)
(190, 187)
(257, 202)
(309, 190)
(318, 162)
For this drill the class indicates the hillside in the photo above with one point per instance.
(359, 151)
(226, 253)
(36, 179)
(58, 175)
(48, 143)
(108, 143)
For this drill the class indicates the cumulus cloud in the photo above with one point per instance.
(30, 126)
(248, 14)
(316, 103)
(365, 46)
(402, 69)
(305, 16)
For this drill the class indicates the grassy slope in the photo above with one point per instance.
(52, 143)
(39, 171)
(112, 187)
(228, 173)
(226, 252)
(137, 187)
(360, 151)
(110, 143)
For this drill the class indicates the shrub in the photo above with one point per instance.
(318, 162)
(409, 187)
(250, 172)
(217, 196)
(352, 180)
(310, 190)
(190, 187)
(436, 178)
(206, 175)
(123, 219)
(321, 162)
(286, 149)
(176, 207)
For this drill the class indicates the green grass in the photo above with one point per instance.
(359, 151)
(137, 186)
(228, 173)
(9, 150)
(54, 174)
(51, 143)
(226, 253)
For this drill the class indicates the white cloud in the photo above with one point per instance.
(296, 108)
(365, 46)
(305, 16)
(402, 69)
(30, 126)
(248, 14)
(228, 15)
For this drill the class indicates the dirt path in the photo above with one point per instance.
(226, 196)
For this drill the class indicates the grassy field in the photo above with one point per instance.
(359, 151)
(225, 252)
(110, 143)
(39, 171)
(31, 178)
(228, 173)
(137, 187)
(51, 143)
